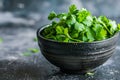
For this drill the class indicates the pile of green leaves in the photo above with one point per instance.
(79, 26)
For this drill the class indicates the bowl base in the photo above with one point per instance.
(82, 72)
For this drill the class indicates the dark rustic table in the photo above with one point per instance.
(14, 65)
(18, 38)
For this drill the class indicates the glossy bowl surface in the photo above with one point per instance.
(77, 57)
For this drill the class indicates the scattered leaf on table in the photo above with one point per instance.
(90, 73)
(26, 54)
(1, 40)
(35, 39)
(33, 50)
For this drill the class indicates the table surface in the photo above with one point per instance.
(14, 65)
(17, 39)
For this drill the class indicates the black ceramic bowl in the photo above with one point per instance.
(77, 57)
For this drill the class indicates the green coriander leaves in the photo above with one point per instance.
(79, 26)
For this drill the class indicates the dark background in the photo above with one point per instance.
(38, 10)
(19, 21)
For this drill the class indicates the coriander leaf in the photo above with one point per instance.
(90, 34)
(50, 37)
(100, 32)
(101, 35)
(52, 15)
(54, 24)
(74, 34)
(47, 30)
(62, 16)
(33, 50)
(97, 27)
(59, 30)
(26, 54)
(1, 40)
(83, 37)
(66, 40)
(68, 36)
(118, 27)
(104, 21)
(70, 19)
(79, 27)
(72, 8)
(88, 21)
(35, 39)
(62, 23)
(90, 73)
(51, 33)
(81, 16)
(60, 37)
(113, 26)
(66, 32)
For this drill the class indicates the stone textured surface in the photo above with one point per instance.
(15, 66)
(19, 20)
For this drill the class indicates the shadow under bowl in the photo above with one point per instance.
(77, 57)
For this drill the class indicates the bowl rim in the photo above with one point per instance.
(50, 40)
